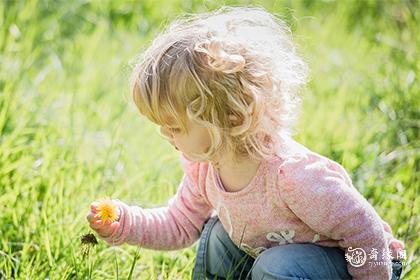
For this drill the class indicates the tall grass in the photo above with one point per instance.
(70, 133)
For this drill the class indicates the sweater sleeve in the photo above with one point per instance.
(175, 226)
(395, 246)
(320, 193)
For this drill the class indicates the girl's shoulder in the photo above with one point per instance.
(290, 147)
(193, 169)
(188, 166)
(300, 164)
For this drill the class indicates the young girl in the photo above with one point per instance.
(223, 87)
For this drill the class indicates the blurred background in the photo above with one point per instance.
(70, 132)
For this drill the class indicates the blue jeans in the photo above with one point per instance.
(219, 258)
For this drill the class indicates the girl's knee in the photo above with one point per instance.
(301, 261)
(273, 263)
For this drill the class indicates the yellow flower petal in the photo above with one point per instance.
(107, 210)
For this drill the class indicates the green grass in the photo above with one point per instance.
(70, 133)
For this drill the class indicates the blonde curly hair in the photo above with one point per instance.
(235, 71)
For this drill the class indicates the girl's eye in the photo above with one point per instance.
(175, 130)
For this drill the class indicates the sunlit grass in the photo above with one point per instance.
(70, 133)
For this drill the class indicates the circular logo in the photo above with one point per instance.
(356, 257)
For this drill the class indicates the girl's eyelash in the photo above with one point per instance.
(174, 129)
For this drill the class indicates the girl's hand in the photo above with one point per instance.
(396, 248)
(103, 228)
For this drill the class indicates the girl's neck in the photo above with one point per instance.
(236, 175)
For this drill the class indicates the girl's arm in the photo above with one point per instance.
(175, 226)
(394, 244)
(320, 193)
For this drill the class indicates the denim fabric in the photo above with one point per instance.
(219, 258)
(227, 260)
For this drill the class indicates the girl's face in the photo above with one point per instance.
(196, 141)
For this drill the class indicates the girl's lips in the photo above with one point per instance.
(173, 144)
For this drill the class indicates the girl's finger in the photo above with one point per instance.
(98, 222)
(115, 225)
(105, 232)
(95, 225)
(94, 207)
(108, 229)
(90, 217)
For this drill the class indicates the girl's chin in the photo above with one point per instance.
(188, 158)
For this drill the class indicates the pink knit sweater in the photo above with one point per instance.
(298, 196)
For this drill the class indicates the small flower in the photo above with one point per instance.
(107, 210)
(87, 241)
